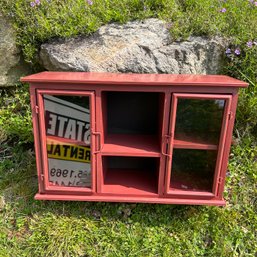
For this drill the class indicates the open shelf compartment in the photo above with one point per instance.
(133, 145)
(132, 123)
(130, 175)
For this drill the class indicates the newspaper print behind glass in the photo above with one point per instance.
(67, 125)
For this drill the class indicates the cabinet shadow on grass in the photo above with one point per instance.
(22, 197)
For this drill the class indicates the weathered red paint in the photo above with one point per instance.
(171, 88)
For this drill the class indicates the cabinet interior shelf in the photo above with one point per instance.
(130, 182)
(131, 145)
(182, 141)
(130, 175)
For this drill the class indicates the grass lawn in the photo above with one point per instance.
(50, 228)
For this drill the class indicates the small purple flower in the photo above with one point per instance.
(37, 2)
(145, 8)
(249, 44)
(89, 2)
(237, 51)
(169, 25)
(32, 4)
(228, 51)
(255, 3)
(251, 1)
(223, 10)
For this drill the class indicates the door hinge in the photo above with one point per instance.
(220, 180)
(36, 108)
(42, 177)
(230, 115)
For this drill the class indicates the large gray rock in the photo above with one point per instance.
(12, 65)
(137, 47)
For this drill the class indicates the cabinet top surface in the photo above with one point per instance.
(134, 79)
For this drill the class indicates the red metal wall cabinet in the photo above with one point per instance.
(152, 138)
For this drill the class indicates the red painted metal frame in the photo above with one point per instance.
(228, 144)
(95, 78)
(169, 86)
(131, 199)
(175, 97)
(43, 137)
(36, 130)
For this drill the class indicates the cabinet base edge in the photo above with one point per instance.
(128, 199)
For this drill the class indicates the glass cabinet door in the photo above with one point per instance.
(67, 125)
(198, 129)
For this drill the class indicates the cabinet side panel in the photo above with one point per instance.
(228, 144)
(223, 135)
(36, 132)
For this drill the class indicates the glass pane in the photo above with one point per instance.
(199, 119)
(193, 169)
(67, 125)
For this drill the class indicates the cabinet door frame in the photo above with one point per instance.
(221, 146)
(43, 142)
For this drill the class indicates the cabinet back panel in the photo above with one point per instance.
(132, 113)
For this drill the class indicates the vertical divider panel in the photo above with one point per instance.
(100, 116)
(163, 124)
(172, 122)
